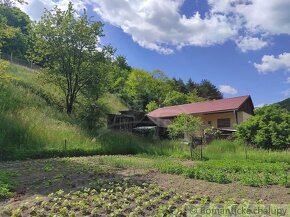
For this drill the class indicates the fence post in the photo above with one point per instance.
(11, 57)
(246, 150)
(201, 144)
(191, 147)
(31, 64)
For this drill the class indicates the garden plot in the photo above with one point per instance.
(122, 186)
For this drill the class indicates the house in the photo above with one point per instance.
(222, 114)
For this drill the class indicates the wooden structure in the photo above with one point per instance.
(126, 120)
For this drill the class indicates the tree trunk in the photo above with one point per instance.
(69, 104)
(69, 108)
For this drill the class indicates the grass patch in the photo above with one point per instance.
(251, 173)
(234, 150)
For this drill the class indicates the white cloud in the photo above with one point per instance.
(288, 80)
(36, 8)
(160, 25)
(268, 16)
(257, 15)
(227, 89)
(250, 43)
(270, 63)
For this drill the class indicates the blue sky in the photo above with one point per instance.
(243, 46)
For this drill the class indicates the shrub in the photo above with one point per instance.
(269, 128)
(3, 68)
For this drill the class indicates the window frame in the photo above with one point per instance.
(226, 122)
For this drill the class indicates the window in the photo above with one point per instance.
(226, 122)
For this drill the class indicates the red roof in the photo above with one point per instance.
(200, 107)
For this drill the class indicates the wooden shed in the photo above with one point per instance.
(126, 120)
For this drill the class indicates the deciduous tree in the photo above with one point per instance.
(20, 22)
(67, 46)
(185, 124)
(269, 128)
(175, 98)
(151, 106)
(139, 88)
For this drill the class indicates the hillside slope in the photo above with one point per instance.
(32, 123)
(285, 104)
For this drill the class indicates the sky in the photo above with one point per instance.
(241, 46)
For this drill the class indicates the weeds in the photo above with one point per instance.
(6, 184)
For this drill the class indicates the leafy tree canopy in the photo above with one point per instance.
(6, 31)
(175, 98)
(67, 46)
(118, 75)
(269, 128)
(185, 124)
(192, 96)
(151, 106)
(121, 62)
(138, 88)
(20, 22)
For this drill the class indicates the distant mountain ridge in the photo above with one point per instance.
(285, 103)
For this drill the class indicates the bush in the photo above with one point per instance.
(269, 128)
(4, 77)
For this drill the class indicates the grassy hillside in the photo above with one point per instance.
(33, 125)
(285, 104)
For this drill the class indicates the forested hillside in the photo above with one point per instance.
(285, 104)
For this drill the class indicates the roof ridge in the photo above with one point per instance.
(201, 107)
(213, 100)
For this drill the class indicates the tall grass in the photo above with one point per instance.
(33, 126)
(234, 150)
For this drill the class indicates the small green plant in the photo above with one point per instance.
(123, 197)
(7, 184)
(250, 173)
